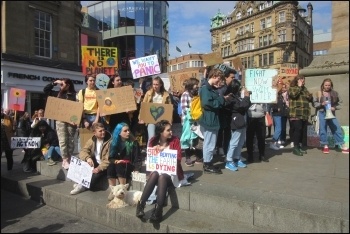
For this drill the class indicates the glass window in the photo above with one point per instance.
(157, 18)
(286, 57)
(122, 13)
(149, 14)
(99, 16)
(130, 13)
(282, 17)
(139, 16)
(265, 40)
(239, 15)
(270, 39)
(228, 36)
(260, 41)
(106, 16)
(268, 22)
(223, 37)
(148, 46)
(42, 34)
(260, 61)
(114, 14)
(282, 35)
(271, 59)
(252, 27)
(165, 17)
(250, 11)
(262, 24)
(246, 28)
(140, 46)
(265, 59)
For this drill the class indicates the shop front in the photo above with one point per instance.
(33, 79)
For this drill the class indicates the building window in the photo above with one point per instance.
(293, 34)
(174, 68)
(282, 17)
(251, 44)
(260, 41)
(268, 22)
(252, 27)
(270, 39)
(246, 28)
(268, 3)
(262, 24)
(282, 35)
(42, 32)
(250, 11)
(240, 31)
(265, 40)
(239, 15)
(265, 59)
(223, 37)
(245, 45)
(228, 36)
(261, 7)
(260, 60)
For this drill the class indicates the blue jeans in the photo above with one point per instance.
(52, 151)
(335, 129)
(209, 144)
(280, 123)
(236, 144)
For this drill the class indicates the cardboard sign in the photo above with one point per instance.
(140, 177)
(237, 63)
(145, 66)
(25, 142)
(80, 172)
(96, 60)
(177, 80)
(259, 82)
(287, 73)
(102, 81)
(162, 161)
(17, 99)
(116, 100)
(212, 58)
(85, 135)
(154, 112)
(63, 110)
(313, 139)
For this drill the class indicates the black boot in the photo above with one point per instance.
(209, 168)
(140, 209)
(157, 214)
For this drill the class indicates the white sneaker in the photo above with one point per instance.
(75, 185)
(292, 145)
(274, 146)
(78, 189)
(281, 142)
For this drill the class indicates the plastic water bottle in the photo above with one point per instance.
(328, 104)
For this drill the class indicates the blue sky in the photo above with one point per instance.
(189, 22)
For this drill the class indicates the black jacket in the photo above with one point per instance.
(280, 108)
(49, 92)
(238, 107)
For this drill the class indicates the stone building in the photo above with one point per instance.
(264, 34)
(40, 42)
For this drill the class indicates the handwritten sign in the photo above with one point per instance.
(162, 161)
(145, 66)
(63, 110)
(237, 63)
(116, 100)
(25, 142)
(154, 112)
(17, 99)
(85, 135)
(212, 58)
(96, 60)
(102, 81)
(140, 177)
(177, 80)
(259, 82)
(80, 172)
(287, 73)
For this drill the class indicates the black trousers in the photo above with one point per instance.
(9, 158)
(299, 133)
(255, 126)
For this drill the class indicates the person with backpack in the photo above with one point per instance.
(211, 103)
(65, 131)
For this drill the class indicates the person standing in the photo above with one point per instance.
(24, 125)
(65, 131)
(328, 96)
(299, 112)
(156, 94)
(7, 131)
(211, 103)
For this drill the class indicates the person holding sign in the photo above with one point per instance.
(124, 155)
(163, 139)
(328, 100)
(65, 131)
(95, 153)
(299, 112)
(157, 94)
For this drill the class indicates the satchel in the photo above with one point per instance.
(238, 121)
(268, 120)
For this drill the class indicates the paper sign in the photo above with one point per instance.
(63, 110)
(85, 135)
(287, 73)
(116, 100)
(259, 82)
(140, 177)
(25, 142)
(17, 99)
(162, 161)
(212, 58)
(145, 66)
(102, 81)
(80, 172)
(96, 60)
(237, 63)
(154, 112)
(177, 80)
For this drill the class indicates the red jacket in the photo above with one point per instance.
(174, 144)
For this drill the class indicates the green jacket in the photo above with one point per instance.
(211, 103)
(299, 99)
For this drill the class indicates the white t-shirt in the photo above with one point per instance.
(98, 151)
(157, 98)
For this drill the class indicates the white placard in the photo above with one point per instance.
(80, 172)
(139, 177)
(144, 66)
(259, 82)
(162, 161)
(25, 142)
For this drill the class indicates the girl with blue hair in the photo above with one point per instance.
(124, 155)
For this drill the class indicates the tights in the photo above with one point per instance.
(162, 181)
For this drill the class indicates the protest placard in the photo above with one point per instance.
(287, 73)
(212, 58)
(25, 142)
(63, 110)
(80, 172)
(139, 177)
(116, 100)
(85, 135)
(162, 161)
(259, 82)
(17, 99)
(144, 66)
(97, 59)
(154, 112)
(177, 80)
(102, 81)
(237, 63)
